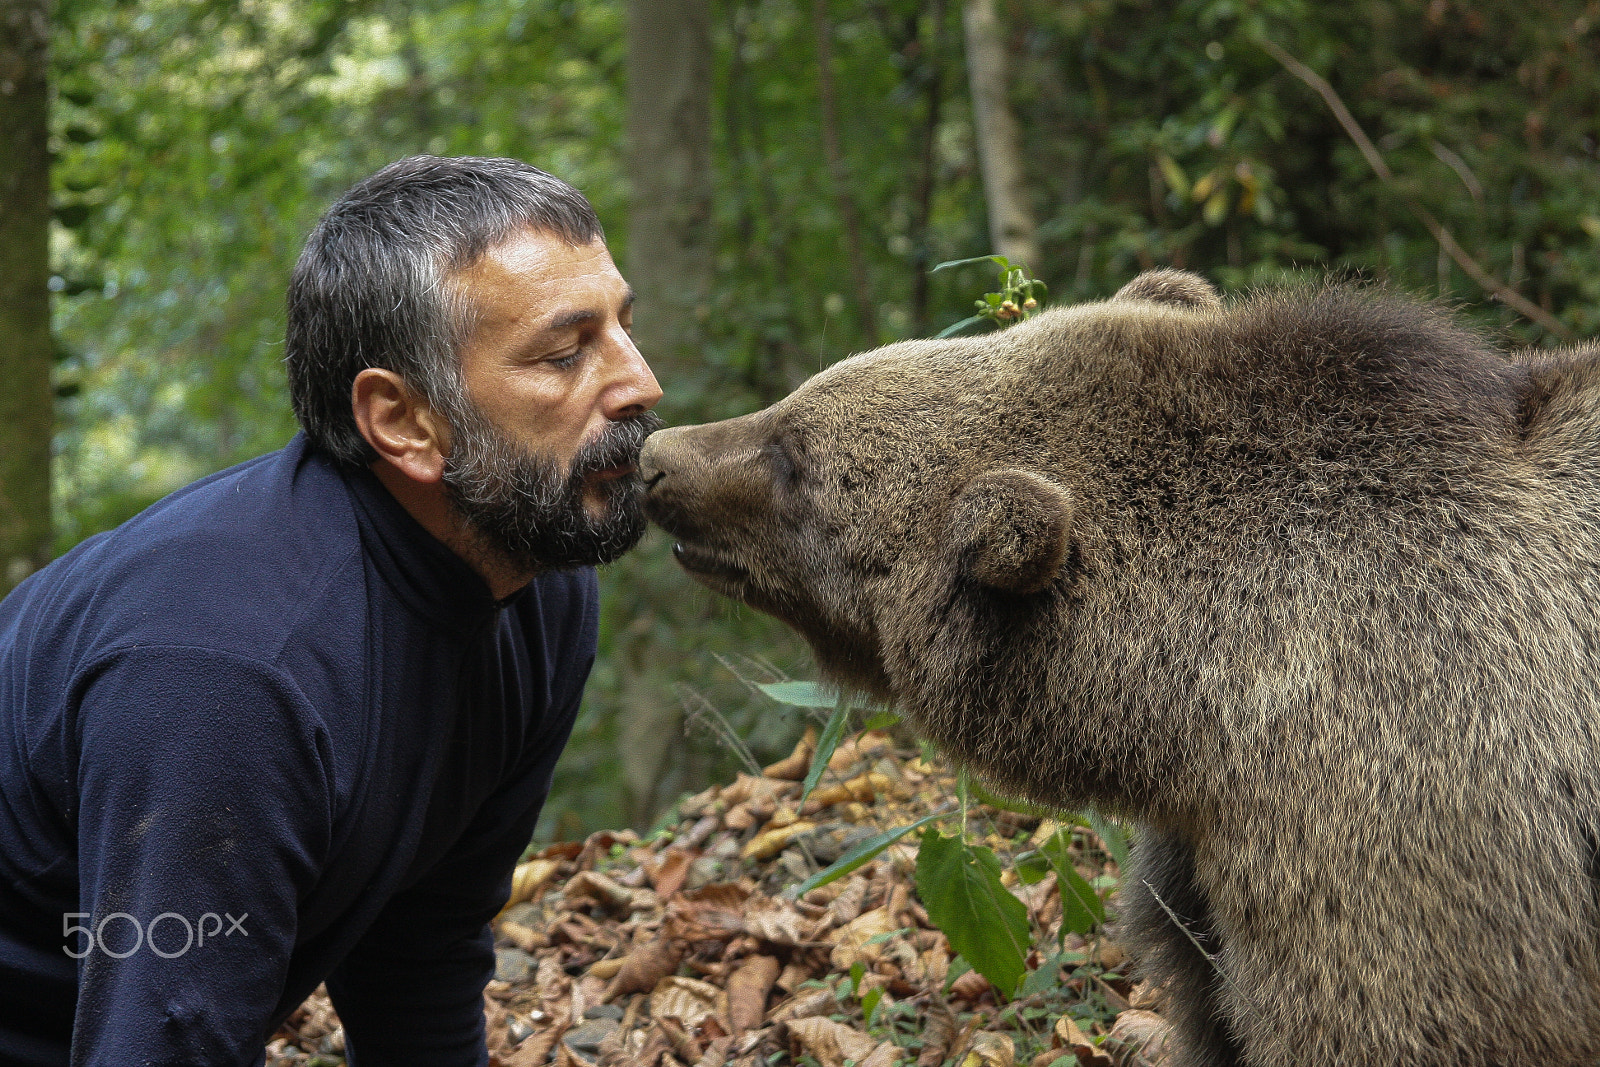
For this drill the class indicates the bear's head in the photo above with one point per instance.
(1101, 509)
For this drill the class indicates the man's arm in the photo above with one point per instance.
(205, 814)
(412, 989)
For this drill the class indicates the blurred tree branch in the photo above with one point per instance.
(1474, 270)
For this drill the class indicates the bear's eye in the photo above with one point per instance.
(785, 470)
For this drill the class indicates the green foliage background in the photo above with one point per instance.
(196, 142)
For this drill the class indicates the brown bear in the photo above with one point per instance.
(1307, 583)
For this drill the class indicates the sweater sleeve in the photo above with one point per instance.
(412, 990)
(205, 811)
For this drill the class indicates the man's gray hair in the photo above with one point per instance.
(372, 286)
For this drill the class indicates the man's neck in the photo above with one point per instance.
(430, 506)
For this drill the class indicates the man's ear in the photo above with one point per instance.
(1011, 530)
(399, 425)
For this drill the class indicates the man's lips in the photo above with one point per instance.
(613, 473)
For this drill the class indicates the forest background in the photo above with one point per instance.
(777, 179)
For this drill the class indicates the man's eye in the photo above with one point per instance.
(567, 361)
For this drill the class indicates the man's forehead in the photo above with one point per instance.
(533, 255)
(541, 274)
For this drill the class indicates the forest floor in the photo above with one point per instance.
(686, 950)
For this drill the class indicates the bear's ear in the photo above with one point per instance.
(1010, 530)
(1167, 286)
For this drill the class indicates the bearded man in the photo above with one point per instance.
(295, 722)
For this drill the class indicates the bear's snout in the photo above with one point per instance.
(697, 488)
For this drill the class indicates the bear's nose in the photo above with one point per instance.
(662, 452)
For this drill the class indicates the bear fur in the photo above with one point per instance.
(1306, 583)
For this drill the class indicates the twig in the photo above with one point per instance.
(1472, 267)
(1216, 965)
(702, 711)
(1464, 172)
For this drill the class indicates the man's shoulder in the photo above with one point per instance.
(229, 562)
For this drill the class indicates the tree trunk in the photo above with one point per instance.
(1011, 226)
(669, 169)
(861, 295)
(669, 264)
(25, 350)
(928, 167)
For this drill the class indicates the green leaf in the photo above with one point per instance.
(960, 886)
(1216, 209)
(1000, 261)
(862, 854)
(870, 1002)
(1177, 180)
(888, 936)
(831, 735)
(1112, 835)
(1031, 867)
(858, 971)
(958, 327)
(958, 967)
(1081, 907)
(800, 694)
(987, 796)
(881, 721)
(1045, 977)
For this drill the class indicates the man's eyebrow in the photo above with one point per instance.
(580, 318)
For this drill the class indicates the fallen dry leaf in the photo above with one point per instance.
(971, 986)
(854, 942)
(887, 1054)
(606, 968)
(1141, 1037)
(793, 767)
(861, 748)
(688, 1000)
(527, 940)
(1077, 1042)
(850, 902)
(804, 1006)
(769, 843)
(716, 1053)
(748, 987)
(830, 1042)
(644, 968)
(527, 879)
(602, 890)
(668, 874)
(777, 922)
(990, 1049)
(939, 1028)
(683, 1042)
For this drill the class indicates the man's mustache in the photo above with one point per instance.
(617, 446)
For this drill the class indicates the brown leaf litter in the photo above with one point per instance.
(684, 951)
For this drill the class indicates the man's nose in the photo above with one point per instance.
(634, 389)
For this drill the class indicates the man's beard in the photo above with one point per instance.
(524, 511)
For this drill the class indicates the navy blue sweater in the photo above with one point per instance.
(269, 732)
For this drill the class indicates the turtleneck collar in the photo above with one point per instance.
(430, 578)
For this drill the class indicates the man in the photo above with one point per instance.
(295, 722)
